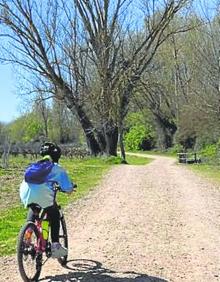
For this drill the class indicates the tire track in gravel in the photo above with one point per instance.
(158, 222)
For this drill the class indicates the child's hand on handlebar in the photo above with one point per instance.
(74, 189)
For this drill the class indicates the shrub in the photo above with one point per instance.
(177, 148)
(139, 137)
(209, 153)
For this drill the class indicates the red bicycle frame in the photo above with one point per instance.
(41, 242)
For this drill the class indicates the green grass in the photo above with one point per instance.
(210, 172)
(87, 173)
(10, 223)
(156, 153)
(137, 160)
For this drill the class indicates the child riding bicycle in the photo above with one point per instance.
(40, 191)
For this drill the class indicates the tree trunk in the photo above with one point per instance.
(165, 130)
(98, 141)
(111, 139)
(121, 144)
(6, 151)
(89, 131)
(101, 140)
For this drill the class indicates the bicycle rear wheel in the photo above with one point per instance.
(29, 261)
(63, 238)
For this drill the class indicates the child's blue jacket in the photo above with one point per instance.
(43, 194)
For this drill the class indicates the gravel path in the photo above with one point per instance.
(158, 222)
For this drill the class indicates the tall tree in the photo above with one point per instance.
(63, 44)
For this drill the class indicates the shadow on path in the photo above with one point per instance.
(92, 271)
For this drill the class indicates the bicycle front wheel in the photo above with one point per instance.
(29, 260)
(63, 238)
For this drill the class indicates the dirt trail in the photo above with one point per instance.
(158, 222)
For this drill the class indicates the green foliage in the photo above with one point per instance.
(56, 123)
(177, 148)
(33, 129)
(209, 151)
(25, 128)
(141, 134)
(135, 137)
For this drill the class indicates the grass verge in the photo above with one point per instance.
(210, 172)
(156, 153)
(87, 173)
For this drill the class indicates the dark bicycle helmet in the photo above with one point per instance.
(51, 149)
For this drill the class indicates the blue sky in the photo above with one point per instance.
(9, 103)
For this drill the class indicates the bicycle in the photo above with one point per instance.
(34, 246)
